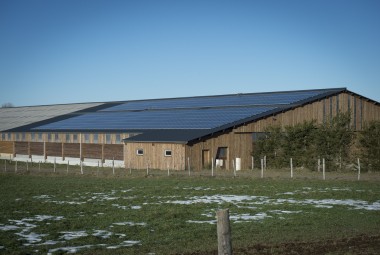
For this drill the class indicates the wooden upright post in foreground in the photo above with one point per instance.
(224, 232)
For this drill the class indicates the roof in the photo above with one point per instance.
(14, 117)
(177, 119)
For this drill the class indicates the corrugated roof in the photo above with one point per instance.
(15, 117)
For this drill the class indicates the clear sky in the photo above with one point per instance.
(67, 51)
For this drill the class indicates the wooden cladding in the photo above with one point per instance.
(71, 150)
(155, 156)
(36, 148)
(113, 151)
(92, 151)
(54, 149)
(322, 111)
(6, 147)
(22, 148)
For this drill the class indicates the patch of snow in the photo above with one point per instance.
(74, 249)
(129, 223)
(69, 235)
(8, 227)
(136, 207)
(102, 233)
(124, 244)
(30, 238)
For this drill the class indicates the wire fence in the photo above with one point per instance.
(27, 167)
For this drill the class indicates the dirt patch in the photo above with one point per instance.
(361, 245)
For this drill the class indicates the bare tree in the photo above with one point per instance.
(7, 105)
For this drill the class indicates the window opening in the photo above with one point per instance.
(139, 152)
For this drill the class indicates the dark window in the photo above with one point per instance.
(168, 153)
(140, 152)
(221, 153)
(9, 136)
(56, 137)
(67, 137)
(258, 136)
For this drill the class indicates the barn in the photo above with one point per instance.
(174, 133)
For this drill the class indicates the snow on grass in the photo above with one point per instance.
(129, 223)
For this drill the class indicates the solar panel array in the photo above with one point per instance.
(217, 101)
(156, 119)
(183, 113)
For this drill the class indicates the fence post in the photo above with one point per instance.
(262, 168)
(113, 166)
(233, 166)
(212, 167)
(319, 165)
(265, 162)
(291, 168)
(81, 166)
(323, 169)
(224, 232)
(188, 164)
(147, 168)
(358, 169)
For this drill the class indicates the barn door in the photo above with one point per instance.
(206, 160)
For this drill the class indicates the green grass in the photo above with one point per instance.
(161, 207)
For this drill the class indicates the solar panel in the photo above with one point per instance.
(156, 119)
(218, 101)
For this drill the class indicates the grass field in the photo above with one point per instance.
(58, 214)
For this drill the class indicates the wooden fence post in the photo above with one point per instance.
(323, 169)
(81, 166)
(233, 166)
(358, 169)
(212, 167)
(188, 164)
(224, 232)
(291, 168)
(262, 168)
(113, 166)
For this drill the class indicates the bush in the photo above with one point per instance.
(369, 141)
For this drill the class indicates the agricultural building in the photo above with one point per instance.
(170, 133)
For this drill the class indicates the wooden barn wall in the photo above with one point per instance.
(6, 147)
(154, 156)
(36, 148)
(92, 151)
(322, 111)
(113, 151)
(21, 148)
(71, 150)
(53, 149)
(239, 145)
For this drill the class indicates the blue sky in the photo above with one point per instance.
(67, 51)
